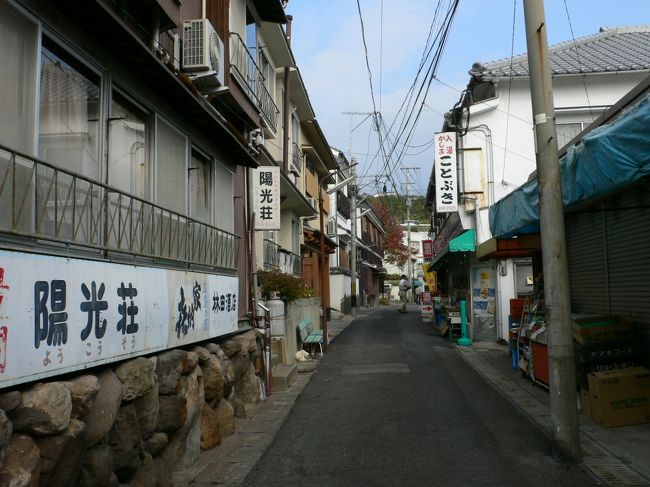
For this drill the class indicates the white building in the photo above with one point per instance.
(496, 149)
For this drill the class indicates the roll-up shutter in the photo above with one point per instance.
(609, 260)
(628, 251)
(586, 244)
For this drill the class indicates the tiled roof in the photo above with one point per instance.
(611, 49)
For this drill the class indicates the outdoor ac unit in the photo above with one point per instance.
(331, 228)
(203, 53)
(313, 202)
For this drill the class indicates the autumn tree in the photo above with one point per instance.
(395, 251)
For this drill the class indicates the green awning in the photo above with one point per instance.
(465, 242)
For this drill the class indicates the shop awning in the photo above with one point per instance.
(465, 242)
(497, 248)
(610, 158)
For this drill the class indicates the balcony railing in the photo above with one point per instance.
(290, 263)
(42, 201)
(296, 157)
(271, 254)
(245, 69)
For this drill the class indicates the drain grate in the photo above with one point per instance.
(607, 467)
(618, 475)
(592, 450)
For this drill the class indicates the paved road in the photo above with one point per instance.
(392, 404)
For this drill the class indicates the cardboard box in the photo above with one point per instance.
(620, 397)
(585, 400)
(601, 329)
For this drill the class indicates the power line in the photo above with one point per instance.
(575, 46)
(512, 53)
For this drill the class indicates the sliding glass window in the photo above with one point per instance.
(69, 113)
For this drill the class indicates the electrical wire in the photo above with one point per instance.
(512, 53)
(575, 46)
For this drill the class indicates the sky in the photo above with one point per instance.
(327, 44)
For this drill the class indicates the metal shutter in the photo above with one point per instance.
(609, 260)
(628, 250)
(586, 245)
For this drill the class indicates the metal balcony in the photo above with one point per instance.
(70, 213)
(271, 254)
(290, 263)
(246, 71)
(296, 157)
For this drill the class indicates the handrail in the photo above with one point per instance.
(249, 75)
(41, 200)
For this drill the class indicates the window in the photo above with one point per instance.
(19, 54)
(224, 194)
(171, 167)
(69, 113)
(566, 132)
(200, 188)
(268, 71)
(127, 146)
(295, 131)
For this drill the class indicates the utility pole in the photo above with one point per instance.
(352, 192)
(565, 432)
(407, 171)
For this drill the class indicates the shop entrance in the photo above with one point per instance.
(483, 304)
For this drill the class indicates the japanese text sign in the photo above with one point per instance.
(69, 314)
(427, 249)
(266, 197)
(445, 171)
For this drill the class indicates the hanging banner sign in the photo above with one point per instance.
(266, 197)
(446, 173)
(427, 249)
(70, 314)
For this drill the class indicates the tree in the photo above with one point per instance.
(395, 252)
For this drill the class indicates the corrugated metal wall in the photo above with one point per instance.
(609, 260)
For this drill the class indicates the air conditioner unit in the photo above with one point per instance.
(331, 228)
(203, 53)
(313, 202)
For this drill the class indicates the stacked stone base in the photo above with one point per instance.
(132, 423)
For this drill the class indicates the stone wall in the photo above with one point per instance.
(132, 423)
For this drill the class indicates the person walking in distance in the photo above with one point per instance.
(404, 286)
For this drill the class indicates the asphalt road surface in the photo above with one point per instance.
(392, 404)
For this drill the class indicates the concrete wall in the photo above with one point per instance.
(285, 347)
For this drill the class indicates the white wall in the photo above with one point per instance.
(340, 285)
(511, 158)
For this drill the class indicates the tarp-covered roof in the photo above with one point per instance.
(609, 158)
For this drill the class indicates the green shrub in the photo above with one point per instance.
(384, 301)
(289, 288)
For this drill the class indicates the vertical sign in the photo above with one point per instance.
(266, 197)
(446, 175)
(427, 249)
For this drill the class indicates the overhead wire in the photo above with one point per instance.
(575, 46)
(512, 53)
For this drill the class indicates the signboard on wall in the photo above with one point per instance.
(427, 249)
(266, 197)
(59, 315)
(446, 176)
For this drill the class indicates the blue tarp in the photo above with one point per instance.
(610, 157)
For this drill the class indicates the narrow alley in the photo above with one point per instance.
(393, 404)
